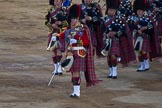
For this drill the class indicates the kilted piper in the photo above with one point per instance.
(56, 21)
(143, 34)
(79, 50)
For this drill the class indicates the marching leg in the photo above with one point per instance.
(114, 63)
(55, 69)
(59, 57)
(147, 65)
(55, 65)
(114, 73)
(76, 87)
(110, 72)
(59, 68)
(142, 67)
(146, 61)
(142, 64)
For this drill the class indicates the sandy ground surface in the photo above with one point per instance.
(26, 66)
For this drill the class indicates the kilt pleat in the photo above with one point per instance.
(79, 63)
(115, 50)
(146, 45)
(160, 28)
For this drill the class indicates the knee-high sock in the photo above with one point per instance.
(114, 62)
(76, 80)
(55, 64)
(54, 59)
(59, 64)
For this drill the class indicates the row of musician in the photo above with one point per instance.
(129, 27)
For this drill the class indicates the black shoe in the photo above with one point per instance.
(60, 73)
(56, 73)
(114, 77)
(109, 76)
(141, 70)
(74, 96)
(147, 69)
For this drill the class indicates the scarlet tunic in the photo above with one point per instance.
(86, 63)
(80, 36)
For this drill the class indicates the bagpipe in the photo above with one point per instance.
(61, 16)
(93, 11)
(125, 9)
(139, 23)
(48, 18)
(117, 26)
(103, 21)
(158, 13)
(56, 15)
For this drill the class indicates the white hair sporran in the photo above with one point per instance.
(54, 42)
(138, 44)
(68, 62)
(107, 47)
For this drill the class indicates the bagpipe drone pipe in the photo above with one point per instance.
(61, 16)
(93, 11)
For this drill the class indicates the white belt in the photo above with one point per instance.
(77, 48)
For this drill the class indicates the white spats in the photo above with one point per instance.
(147, 65)
(76, 91)
(142, 67)
(114, 73)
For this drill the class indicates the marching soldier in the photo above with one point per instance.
(111, 48)
(126, 40)
(117, 39)
(91, 17)
(157, 10)
(79, 51)
(146, 42)
(56, 21)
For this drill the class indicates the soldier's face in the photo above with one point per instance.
(74, 22)
(111, 12)
(58, 3)
(140, 12)
(87, 1)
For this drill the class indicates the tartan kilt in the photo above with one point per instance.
(146, 44)
(160, 28)
(79, 63)
(127, 50)
(115, 48)
(93, 37)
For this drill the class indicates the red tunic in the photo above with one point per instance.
(81, 35)
(83, 64)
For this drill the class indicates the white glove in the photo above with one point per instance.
(72, 41)
(53, 38)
